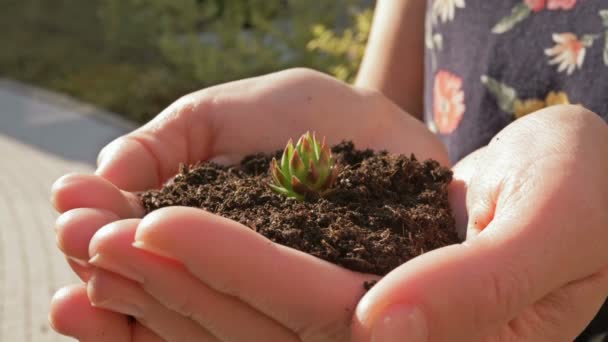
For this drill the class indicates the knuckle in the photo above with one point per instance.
(98, 289)
(301, 71)
(508, 291)
(184, 306)
(181, 302)
(179, 111)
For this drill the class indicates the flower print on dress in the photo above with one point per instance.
(604, 15)
(538, 5)
(569, 51)
(445, 9)
(527, 106)
(448, 101)
(560, 4)
(509, 102)
(523, 10)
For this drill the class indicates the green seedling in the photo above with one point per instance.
(307, 168)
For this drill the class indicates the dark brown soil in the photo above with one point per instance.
(383, 210)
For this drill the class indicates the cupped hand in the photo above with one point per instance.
(226, 122)
(534, 266)
(223, 123)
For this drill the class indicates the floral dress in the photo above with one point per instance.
(490, 62)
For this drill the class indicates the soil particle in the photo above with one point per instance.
(383, 210)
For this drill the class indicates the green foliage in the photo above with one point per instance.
(306, 168)
(346, 50)
(135, 57)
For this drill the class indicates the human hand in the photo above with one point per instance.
(535, 263)
(222, 123)
(194, 276)
(226, 122)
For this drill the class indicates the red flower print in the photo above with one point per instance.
(538, 5)
(560, 4)
(448, 101)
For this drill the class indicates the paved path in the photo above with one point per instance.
(42, 136)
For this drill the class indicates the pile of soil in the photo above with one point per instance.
(383, 210)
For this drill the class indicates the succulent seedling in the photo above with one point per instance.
(307, 168)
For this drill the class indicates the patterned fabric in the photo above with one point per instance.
(490, 62)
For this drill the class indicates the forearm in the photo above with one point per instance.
(394, 59)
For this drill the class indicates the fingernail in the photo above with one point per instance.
(79, 262)
(400, 323)
(151, 249)
(121, 306)
(102, 158)
(109, 264)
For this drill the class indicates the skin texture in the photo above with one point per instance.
(533, 266)
(526, 271)
(204, 126)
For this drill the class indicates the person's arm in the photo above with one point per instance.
(394, 59)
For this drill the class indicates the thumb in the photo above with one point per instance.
(456, 293)
(450, 294)
(467, 291)
(148, 156)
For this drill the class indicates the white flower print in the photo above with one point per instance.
(569, 51)
(444, 9)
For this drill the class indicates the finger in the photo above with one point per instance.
(195, 127)
(115, 293)
(235, 260)
(463, 171)
(519, 257)
(72, 315)
(563, 314)
(76, 227)
(81, 268)
(460, 292)
(177, 289)
(90, 191)
(146, 157)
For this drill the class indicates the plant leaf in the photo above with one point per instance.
(296, 165)
(298, 187)
(307, 144)
(324, 157)
(588, 39)
(505, 95)
(278, 176)
(287, 156)
(331, 178)
(518, 13)
(315, 144)
(279, 190)
(313, 174)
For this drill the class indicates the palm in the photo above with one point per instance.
(225, 123)
(534, 263)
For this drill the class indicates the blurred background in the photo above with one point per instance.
(76, 74)
(134, 57)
